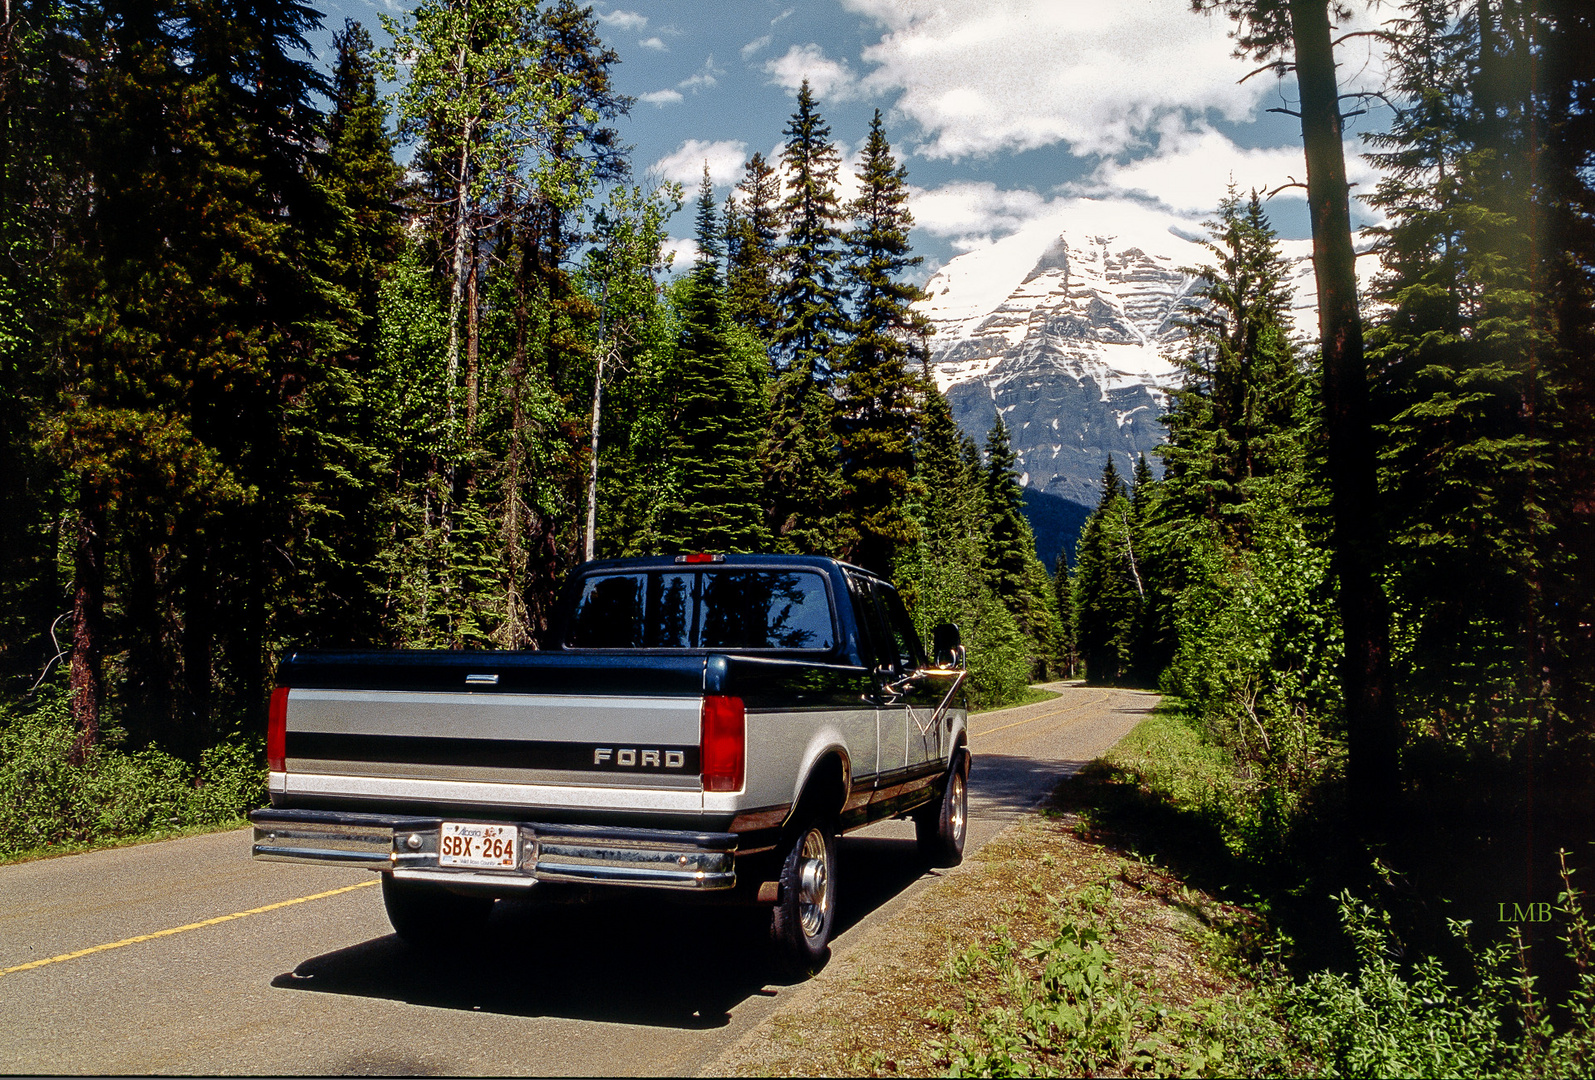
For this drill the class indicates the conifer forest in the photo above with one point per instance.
(288, 361)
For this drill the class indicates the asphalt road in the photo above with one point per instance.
(188, 957)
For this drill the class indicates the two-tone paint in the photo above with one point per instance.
(609, 740)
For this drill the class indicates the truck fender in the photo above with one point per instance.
(825, 764)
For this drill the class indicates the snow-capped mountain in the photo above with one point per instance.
(1069, 333)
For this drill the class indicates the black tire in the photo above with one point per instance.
(801, 922)
(426, 915)
(940, 827)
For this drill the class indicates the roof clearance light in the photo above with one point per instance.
(700, 557)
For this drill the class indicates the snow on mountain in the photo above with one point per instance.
(1068, 331)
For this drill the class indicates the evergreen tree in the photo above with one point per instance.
(941, 575)
(1234, 420)
(362, 181)
(1063, 599)
(1471, 366)
(1108, 596)
(1013, 572)
(1297, 35)
(40, 190)
(714, 431)
(753, 234)
(802, 472)
(877, 413)
(196, 359)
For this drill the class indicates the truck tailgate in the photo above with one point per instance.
(517, 735)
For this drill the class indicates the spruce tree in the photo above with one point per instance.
(1235, 421)
(802, 472)
(1012, 570)
(753, 234)
(714, 431)
(876, 413)
(362, 181)
(941, 575)
(1297, 35)
(1107, 600)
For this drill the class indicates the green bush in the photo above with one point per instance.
(46, 800)
(1382, 1021)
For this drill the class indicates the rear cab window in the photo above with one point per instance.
(731, 609)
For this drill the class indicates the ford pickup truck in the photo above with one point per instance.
(697, 724)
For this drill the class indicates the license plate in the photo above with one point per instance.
(481, 847)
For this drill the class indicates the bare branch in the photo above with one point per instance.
(1382, 35)
(1287, 112)
(60, 651)
(1278, 67)
(1293, 183)
(1369, 94)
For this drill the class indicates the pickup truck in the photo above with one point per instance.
(696, 724)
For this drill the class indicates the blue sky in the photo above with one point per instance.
(1006, 112)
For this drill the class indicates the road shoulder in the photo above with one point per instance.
(897, 1002)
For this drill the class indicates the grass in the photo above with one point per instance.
(1030, 696)
(1127, 930)
(78, 847)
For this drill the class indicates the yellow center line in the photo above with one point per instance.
(1043, 716)
(183, 929)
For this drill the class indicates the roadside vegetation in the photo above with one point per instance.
(51, 804)
(1361, 576)
(1123, 932)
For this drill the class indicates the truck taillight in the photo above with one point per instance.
(722, 749)
(277, 731)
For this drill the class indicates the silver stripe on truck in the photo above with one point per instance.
(488, 794)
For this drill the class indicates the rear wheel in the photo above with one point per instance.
(800, 924)
(940, 827)
(426, 915)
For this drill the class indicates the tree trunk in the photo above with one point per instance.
(88, 606)
(516, 633)
(462, 205)
(1372, 735)
(471, 343)
(592, 472)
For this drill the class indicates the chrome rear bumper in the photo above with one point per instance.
(589, 854)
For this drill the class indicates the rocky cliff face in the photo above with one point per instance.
(1074, 353)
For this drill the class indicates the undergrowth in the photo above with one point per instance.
(47, 802)
(1355, 995)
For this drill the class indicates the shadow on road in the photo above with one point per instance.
(623, 961)
(1005, 784)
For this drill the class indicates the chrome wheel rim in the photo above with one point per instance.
(814, 884)
(959, 808)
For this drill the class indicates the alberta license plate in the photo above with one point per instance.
(482, 847)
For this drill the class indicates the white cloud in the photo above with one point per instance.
(830, 80)
(685, 166)
(706, 76)
(661, 98)
(974, 213)
(754, 46)
(1191, 170)
(679, 252)
(990, 75)
(653, 43)
(627, 21)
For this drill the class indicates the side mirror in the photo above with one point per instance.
(948, 645)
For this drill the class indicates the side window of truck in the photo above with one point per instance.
(871, 630)
(609, 615)
(910, 653)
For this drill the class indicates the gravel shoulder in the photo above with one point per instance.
(889, 1003)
